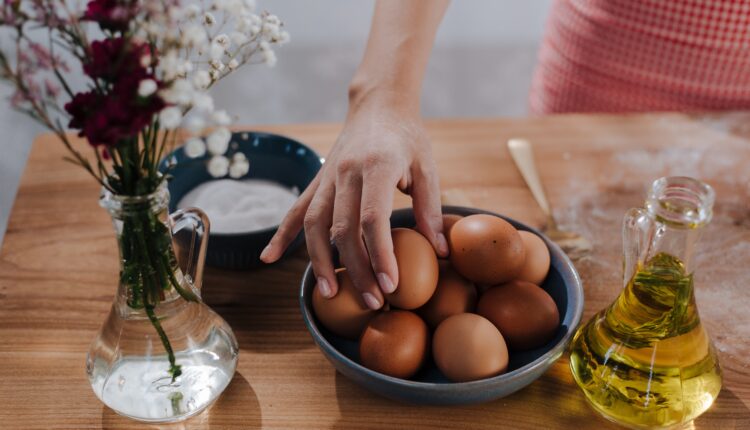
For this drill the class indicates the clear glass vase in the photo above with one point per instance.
(646, 361)
(162, 355)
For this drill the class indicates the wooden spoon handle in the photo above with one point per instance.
(523, 156)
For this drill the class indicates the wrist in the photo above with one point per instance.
(365, 94)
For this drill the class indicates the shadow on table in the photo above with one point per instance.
(238, 407)
(553, 401)
(549, 402)
(261, 305)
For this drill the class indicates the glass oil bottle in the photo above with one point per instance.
(646, 361)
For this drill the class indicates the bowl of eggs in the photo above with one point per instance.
(474, 327)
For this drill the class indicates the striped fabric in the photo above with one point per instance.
(644, 55)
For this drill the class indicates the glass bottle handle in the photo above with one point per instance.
(638, 230)
(190, 229)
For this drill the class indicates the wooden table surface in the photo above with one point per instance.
(58, 274)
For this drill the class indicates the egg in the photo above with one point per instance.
(417, 269)
(467, 347)
(523, 312)
(454, 295)
(536, 265)
(345, 314)
(486, 249)
(395, 343)
(448, 221)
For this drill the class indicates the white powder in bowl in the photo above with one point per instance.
(241, 206)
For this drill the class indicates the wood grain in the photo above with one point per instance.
(58, 273)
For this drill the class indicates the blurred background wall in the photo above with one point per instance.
(481, 66)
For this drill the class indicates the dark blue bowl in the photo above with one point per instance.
(272, 157)
(429, 386)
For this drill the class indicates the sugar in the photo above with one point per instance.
(241, 206)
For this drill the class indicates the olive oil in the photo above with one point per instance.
(646, 360)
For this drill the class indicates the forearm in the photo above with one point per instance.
(398, 49)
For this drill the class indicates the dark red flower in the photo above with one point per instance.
(115, 57)
(112, 15)
(120, 114)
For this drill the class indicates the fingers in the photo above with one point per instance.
(317, 237)
(347, 236)
(375, 212)
(425, 195)
(291, 225)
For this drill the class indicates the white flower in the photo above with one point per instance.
(239, 156)
(215, 75)
(202, 79)
(217, 65)
(254, 29)
(180, 92)
(284, 37)
(146, 87)
(216, 52)
(222, 40)
(264, 46)
(218, 141)
(269, 57)
(233, 64)
(239, 168)
(221, 117)
(170, 117)
(195, 147)
(203, 102)
(218, 166)
(209, 19)
(146, 60)
(195, 124)
(192, 11)
(239, 38)
(194, 35)
(271, 30)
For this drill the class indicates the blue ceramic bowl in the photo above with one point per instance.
(272, 157)
(429, 386)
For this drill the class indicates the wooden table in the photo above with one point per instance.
(58, 273)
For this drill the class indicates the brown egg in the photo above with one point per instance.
(486, 249)
(346, 313)
(448, 221)
(524, 313)
(417, 269)
(536, 265)
(467, 347)
(395, 343)
(454, 295)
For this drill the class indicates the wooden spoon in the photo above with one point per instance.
(575, 245)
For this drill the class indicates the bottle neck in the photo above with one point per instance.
(149, 273)
(680, 207)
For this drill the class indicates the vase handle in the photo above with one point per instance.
(190, 229)
(638, 229)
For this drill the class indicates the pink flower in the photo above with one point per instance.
(111, 15)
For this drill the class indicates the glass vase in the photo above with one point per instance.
(162, 355)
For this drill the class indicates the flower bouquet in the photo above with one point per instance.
(132, 77)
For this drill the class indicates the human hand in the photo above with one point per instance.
(381, 148)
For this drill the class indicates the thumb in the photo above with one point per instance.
(425, 194)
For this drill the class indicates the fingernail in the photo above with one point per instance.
(442, 244)
(371, 301)
(325, 287)
(266, 251)
(385, 283)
